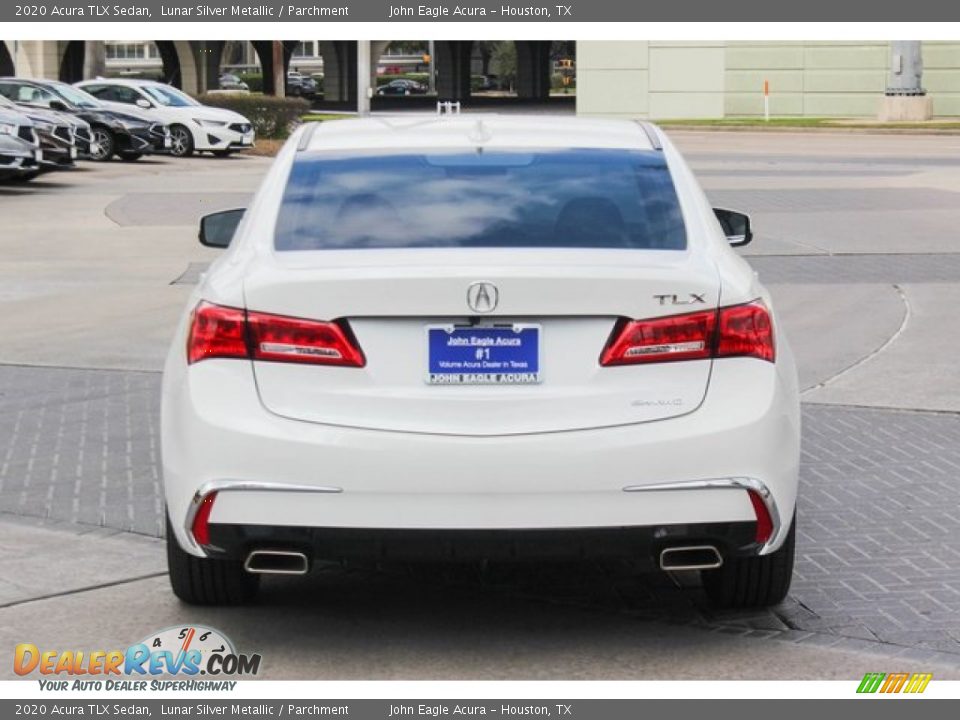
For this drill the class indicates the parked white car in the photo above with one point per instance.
(193, 127)
(480, 337)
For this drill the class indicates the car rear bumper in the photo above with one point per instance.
(642, 545)
(271, 471)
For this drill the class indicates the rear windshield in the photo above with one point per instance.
(539, 199)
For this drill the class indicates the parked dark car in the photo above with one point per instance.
(402, 86)
(129, 135)
(300, 85)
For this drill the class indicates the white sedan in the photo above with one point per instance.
(480, 337)
(193, 127)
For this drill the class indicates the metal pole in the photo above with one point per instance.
(433, 68)
(363, 77)
(906, 68)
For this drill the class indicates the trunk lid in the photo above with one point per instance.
(390, 298)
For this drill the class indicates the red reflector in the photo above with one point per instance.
(284, 339)
(679, 337)
(764, 521)
(225, 332)
(201, 521)
(216, 332)
(746, 330)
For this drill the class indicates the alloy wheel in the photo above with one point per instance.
(104, 139)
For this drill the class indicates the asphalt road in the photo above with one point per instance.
(856, 239)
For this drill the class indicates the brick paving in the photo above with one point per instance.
(81, 446)
(879, 532)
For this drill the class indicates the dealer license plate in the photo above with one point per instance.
(483, 355)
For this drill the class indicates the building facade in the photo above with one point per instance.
(723, 79)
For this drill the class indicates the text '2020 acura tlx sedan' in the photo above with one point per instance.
(480, 337)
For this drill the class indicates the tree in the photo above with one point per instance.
(504, 63)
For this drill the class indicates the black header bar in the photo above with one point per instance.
(737, 11)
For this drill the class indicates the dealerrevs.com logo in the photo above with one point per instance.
(186, 651)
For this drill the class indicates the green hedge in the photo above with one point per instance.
(417, 76)
(253, 80)
(272, 117)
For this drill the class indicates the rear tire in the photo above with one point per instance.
(753, 582)
(207, 581)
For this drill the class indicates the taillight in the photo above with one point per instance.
(736, 331)
(217, 332)
(201, 521)
(283, 339)
(225, 332)
(746, 331)
(680, 337)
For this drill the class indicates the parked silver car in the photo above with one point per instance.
(20, 152)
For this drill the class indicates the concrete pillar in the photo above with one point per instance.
(364, 87)
(190, 81)
(38, 59)
(207, 54)
(279, 69)
(94, 59)
(453, 64)
(7, 54)
(533, 69)
(339, 70)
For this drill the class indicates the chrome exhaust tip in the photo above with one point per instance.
(690, 557)
(276, 562)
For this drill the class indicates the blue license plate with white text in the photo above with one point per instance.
(483, 355)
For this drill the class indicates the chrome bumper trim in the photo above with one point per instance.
(729, 483)
(245, 486)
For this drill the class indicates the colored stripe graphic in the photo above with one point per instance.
(894, 683)
(918, 682)
(871, 682)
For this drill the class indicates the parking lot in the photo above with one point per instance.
(857, 240)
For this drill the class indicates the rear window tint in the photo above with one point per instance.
(524, 199)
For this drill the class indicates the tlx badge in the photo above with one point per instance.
(692, 299)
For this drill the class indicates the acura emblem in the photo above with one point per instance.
(482, 297)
